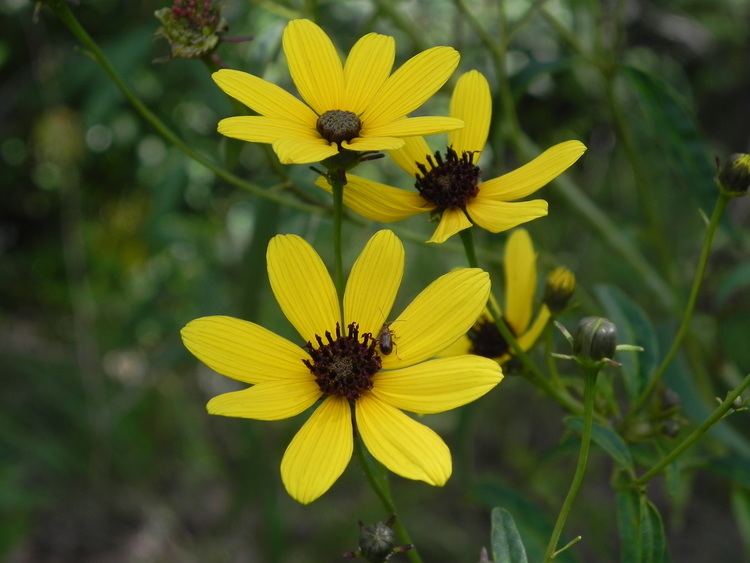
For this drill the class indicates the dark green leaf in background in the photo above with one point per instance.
(507, 546)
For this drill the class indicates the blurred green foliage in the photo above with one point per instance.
(111, 240)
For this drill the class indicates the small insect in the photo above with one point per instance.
(385, 339)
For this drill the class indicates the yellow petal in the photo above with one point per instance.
(519, 264)
(319, 452)
(529, 338)
(302, 286)
(264, 97)
(415, 150)
(403, 445)
(533, 175)
(498, 216)
(367, 67)
(303, 151)
(259, 129)
(411, 85)
(413, 126)
(378, 202)
(452, 221)
(314, 64)
(471, 102)
(460, 347)
(243, 350)
(438, 316)
(374, 282)
(373, 144)
(437, 385)
(268, 401)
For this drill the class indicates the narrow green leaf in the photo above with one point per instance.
(741, 510)
(629, 526)
(608, 440)
(653, 540)
(507, 546)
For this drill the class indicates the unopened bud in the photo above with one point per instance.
(376, 541)
(192, 27)
(734, 175)
(561, 283)
(670, 428)
(595, 338)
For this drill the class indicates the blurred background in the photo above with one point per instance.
(111, 240)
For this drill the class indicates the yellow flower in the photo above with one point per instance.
(449, 183)
(359, 106)
(345, 366)
(484, 339)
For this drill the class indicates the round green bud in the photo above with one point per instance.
(734, 175)
(595, 338)
(376, 542)
(561, 283)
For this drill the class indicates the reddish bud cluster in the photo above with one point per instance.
(198, 13)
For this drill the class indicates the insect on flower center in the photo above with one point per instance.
(344, 365)
(450, 181)
(486, 339)
(337, 126)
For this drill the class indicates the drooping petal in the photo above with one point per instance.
(319, 452)
(438, 316)
(303, 151)
(411, 85)
(460, 347)
(529, 338)
(471, 102)
(314, 64)
(415, 150)
(452, 221)
(377, 201)
(273, 400)
(519, 264)
(533, 175)
(302, 286)
(437, 385)
(243, 350)
(367, 67)
(373, 144)
(374, 282)
(413, 126)
(498, 216)
(402, 444)
(259, 129)
(264, 97)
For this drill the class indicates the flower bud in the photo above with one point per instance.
(671, 428)
(734, 175)
(595, 338)
(561, 283)
(192, 27)
(376, 542)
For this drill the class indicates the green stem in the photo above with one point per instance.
(643, 398)
(63, 12)
(337, 179)
(583, 458)
(693, 437)
(383, 492)
(534, 374)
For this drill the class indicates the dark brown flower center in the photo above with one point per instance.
(344, 365)
(486, 339)
(448, 182)
(337, 126)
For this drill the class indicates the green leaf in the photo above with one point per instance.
(633, 327)
(741, 510)
(507, 546)
(629, 526)
(653, 540)
(608, 440)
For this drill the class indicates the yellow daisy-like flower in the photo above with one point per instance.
(484, 339)
(449, 183)
(359, 106)
(343, 364)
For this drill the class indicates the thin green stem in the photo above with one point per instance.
(695, 435)
(533, 372)
(383, 492)
(713, 223)
(337, 179)
(583, 458)
(63, 12)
